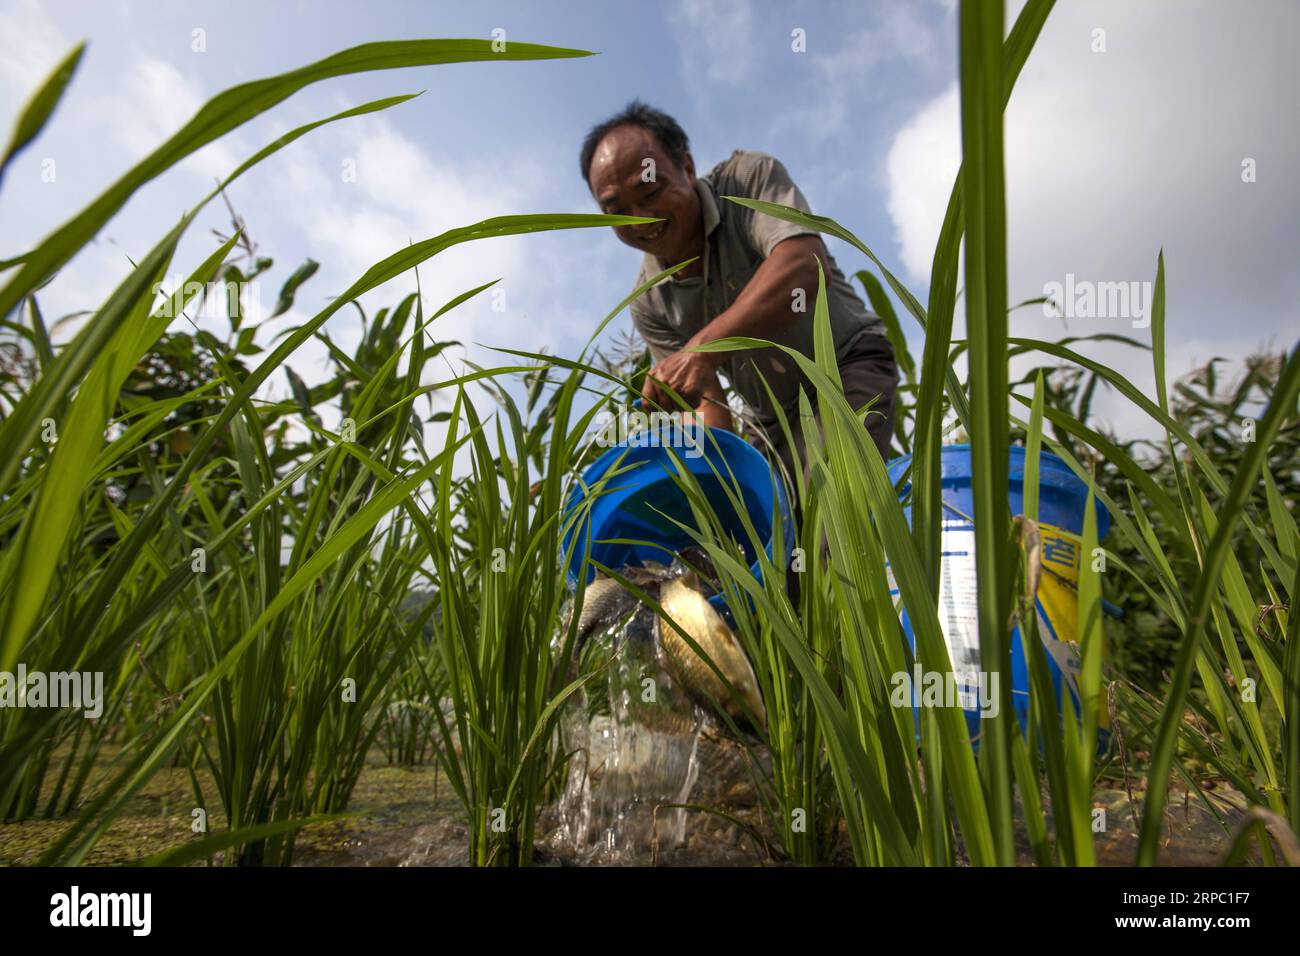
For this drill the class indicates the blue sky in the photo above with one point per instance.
(1112, 153)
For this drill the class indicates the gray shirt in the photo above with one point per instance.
(737, 240)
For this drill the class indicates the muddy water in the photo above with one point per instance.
(640, 749)
(1192, 836)
(410, 817)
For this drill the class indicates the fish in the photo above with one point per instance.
(680, 592)
(683, 602)
(604, 603)
(607, 602)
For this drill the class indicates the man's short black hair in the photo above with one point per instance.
(672, 138)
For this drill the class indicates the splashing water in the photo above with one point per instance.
(629, 766)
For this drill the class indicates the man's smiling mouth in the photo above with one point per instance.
(655, 233)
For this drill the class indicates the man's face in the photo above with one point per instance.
(621, 184)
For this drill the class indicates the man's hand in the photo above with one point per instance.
(692, 375)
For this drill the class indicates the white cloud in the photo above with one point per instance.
(401, 194)
(34, 46)
(157, 101)
(925, 153)
(1111, 156)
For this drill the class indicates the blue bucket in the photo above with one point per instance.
(638, 497)
(1062, 500)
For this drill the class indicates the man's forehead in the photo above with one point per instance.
(628, 143)
(620, 157)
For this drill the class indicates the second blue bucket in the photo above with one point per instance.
(1062, 500)
(634, 502)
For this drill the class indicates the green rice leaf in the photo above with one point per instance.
(40, 107)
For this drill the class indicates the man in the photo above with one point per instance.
(744, 280)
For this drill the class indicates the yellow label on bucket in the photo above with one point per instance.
(1058, 606)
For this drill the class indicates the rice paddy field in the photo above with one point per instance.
(327, 646)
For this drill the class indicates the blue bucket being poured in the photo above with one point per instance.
(1062, 500)
(641, 495)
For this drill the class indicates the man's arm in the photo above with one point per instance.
(762, 309)
(713, 409)
(765, 306)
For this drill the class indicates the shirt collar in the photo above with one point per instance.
(708, 205)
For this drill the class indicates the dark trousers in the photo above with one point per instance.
(868, 372)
